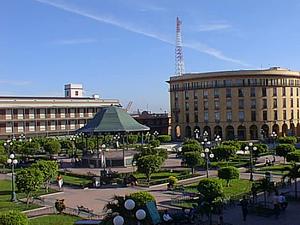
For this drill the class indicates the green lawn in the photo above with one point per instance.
(78, 181)
(5, 195)
(236, 187)
(159, 175)
(276, 169)
(54, 220)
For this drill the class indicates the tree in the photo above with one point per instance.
(52, 146)
(264, 185)
(288, 140)
(3, 155)
(133, 138)
(212, 193)
(193, 159)
(154, 143)
(141, 198)
(148, 150)
(293, 173)
(261, 148)
(191, 148)
(284, 149)
(149, 164)
(224, 152)
(293, 156)
(164, 138)
(29, 181)
(237, 144)
(30, 148)
(228, 173)
(67, 144)
(13, 218)
(48, 168)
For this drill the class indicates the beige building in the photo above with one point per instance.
(243, 104)
(43, 116)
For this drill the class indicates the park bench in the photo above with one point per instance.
(84, 209)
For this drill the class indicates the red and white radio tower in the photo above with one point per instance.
(179, 64)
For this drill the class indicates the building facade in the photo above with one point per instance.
(45, 116)
(160, 122)
(243, 105)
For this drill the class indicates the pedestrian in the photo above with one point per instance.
(282, 201)
(59, 181)
(244, 205)
(276, 204)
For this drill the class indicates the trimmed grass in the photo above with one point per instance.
(54, 220)
(159, 175)
(78, 181)
(5, 195)
(276, 169)
(236, 187)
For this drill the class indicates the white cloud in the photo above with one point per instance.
(75, 41)
(213, 26)
(198, 46)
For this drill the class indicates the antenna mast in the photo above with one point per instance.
(178, 50)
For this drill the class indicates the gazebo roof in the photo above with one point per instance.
(112, 119)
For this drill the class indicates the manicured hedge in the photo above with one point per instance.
(293, 156)
(164, 138)
(288, 140)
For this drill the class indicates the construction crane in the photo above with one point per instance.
(179, 63)
(128, 106)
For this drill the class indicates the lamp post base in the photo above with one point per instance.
(13, 197)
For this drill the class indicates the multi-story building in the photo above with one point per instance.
(243, 104)
(43, 116)
(160, 122)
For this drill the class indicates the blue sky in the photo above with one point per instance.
(125, 48)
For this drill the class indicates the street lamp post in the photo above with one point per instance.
(129, 205)
(12, 161)
(251, 148)
(196, 132)
(218, 140)
(207, 155)
(274, 137)
(155, 134)
(116, 138)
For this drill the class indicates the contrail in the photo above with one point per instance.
(200, 47)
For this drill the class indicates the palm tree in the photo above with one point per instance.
(293, 173)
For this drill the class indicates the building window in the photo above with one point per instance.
(297, 102)
(195, 106)
(205, 105)
(217, 116)
(187, 117)
(265, 115)
(252, 92)
(292, 114)
(76, 93)
(186, 95)
(298, 114)
(241, 92)
(292, 103)
(265, 103)
(275, 115)
(205, 93)
(241, 103)
(297, 91)
(274, 103)
(253, 115)
(264, 92)
(284, 114)
(253, 103)
(284, 103)
(292, 91)
(283, 91)
(217, 104)
(274, 91)
(176, 118)
(205, 116)
(228, 104)
(228, 92)
(216, 93)
(176, 95)
(196, 117)
(229, 116)
(241, 115)
(195, 95)
(187, 106)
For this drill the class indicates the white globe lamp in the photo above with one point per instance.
(129, 204)
(140, 214)
(118, 220)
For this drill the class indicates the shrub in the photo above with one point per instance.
(141, 198)
(284, 149)
(149, 164)
(191, 141)
(154, 143)
(60, 205)
(210, 189)
(293, 156)
(164, 138)
(13, 218)
(191, 148)
(288, 140)
(133, 139)
(228, 173)
(193, 159)
(261, 148)
(237, 144)
(224, 152)
(172, 180)
(30, 148)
